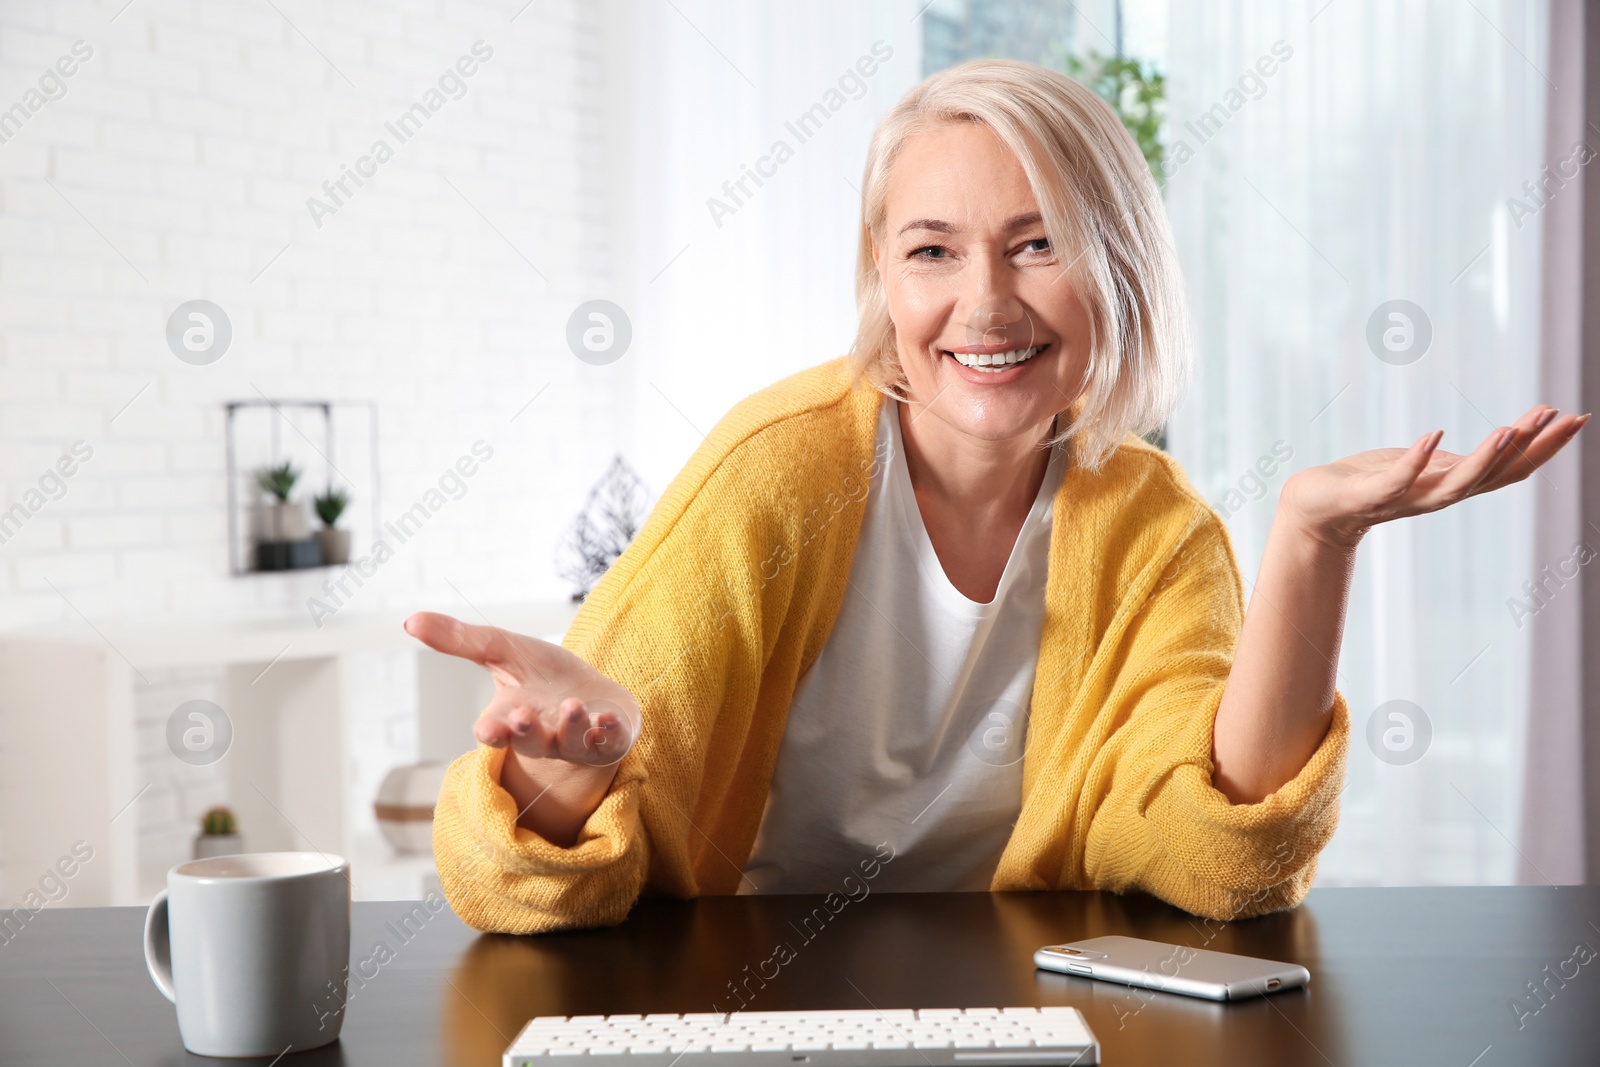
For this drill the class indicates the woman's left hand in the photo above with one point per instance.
(1338, 502)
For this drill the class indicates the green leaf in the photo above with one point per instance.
(330, 504)
(1134, 89)
(278, 481)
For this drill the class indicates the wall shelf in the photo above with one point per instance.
(265, 443)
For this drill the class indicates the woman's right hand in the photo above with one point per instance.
(548, 703)
(568, 724)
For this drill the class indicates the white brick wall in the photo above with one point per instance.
(190, 141)
(381, 733)
(169, 812)
(177, 167)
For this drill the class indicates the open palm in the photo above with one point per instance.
(1341, 500)
(548, 703)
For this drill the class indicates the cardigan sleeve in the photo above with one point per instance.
(1160, 825)
(501, 877)
(707, 619)
(665, 624)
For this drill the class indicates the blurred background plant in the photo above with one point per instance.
(278, 481)
(330, 504)
(1136, 91)
(218, 822)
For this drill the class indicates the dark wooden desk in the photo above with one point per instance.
(1399, 976)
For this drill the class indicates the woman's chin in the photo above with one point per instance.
(991, 418)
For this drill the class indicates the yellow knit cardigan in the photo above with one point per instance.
(728, 594)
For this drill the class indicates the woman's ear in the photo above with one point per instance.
(877, 253)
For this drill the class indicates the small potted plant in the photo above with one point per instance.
(284, 541)
(219, 835)
(330, 504)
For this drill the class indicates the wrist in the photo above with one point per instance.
(1292, 522)
(1321, 538)
(554, 798)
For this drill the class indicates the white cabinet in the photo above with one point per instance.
(318, 716)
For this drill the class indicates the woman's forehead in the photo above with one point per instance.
(960, 175)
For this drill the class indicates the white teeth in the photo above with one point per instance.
(997, 361)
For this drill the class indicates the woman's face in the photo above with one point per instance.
(991, 335)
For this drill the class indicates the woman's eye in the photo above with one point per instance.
(1038, 244)
(931, 252)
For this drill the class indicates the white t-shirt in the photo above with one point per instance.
(909, 727)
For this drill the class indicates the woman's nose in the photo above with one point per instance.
(1000, 321)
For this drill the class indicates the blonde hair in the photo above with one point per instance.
(1103, 214)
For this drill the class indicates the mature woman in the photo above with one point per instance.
(932, 615)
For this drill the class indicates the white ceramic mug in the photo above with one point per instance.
(252, 949)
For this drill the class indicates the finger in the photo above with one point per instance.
(1534, 416)
(523, 720)
(603, 742)
(484, 645)
(1551, 440)
(574, 724)
(1523, 433)
(610, 737)
(607, 734)
(500, 725)
(1552, 436)
(1461, 478)
(522, 723)
(492, 732)
(1404, 472)
(1531, 451)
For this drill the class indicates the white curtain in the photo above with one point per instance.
(1552, 844)
(729, 297)
(1377, 153)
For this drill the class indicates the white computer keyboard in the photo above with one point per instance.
(929, 1037)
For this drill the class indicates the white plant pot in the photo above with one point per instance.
(289, 521)
(404, 806)
(335, 545)
(208, 845)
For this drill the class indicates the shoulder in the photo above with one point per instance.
(819, 422)
(1141, 476)
(778, 458)
(777, 452)
(1151, 519)
(787, 413)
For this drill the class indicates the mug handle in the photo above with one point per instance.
(158, 946)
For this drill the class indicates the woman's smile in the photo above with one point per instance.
(992, 364)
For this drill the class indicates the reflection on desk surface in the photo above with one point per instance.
(884, 951)
(1403, 976)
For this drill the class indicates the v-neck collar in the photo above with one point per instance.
(904, 497)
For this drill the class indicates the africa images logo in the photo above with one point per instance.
(199, 732)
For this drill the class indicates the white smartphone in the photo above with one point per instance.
(1194, 972)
